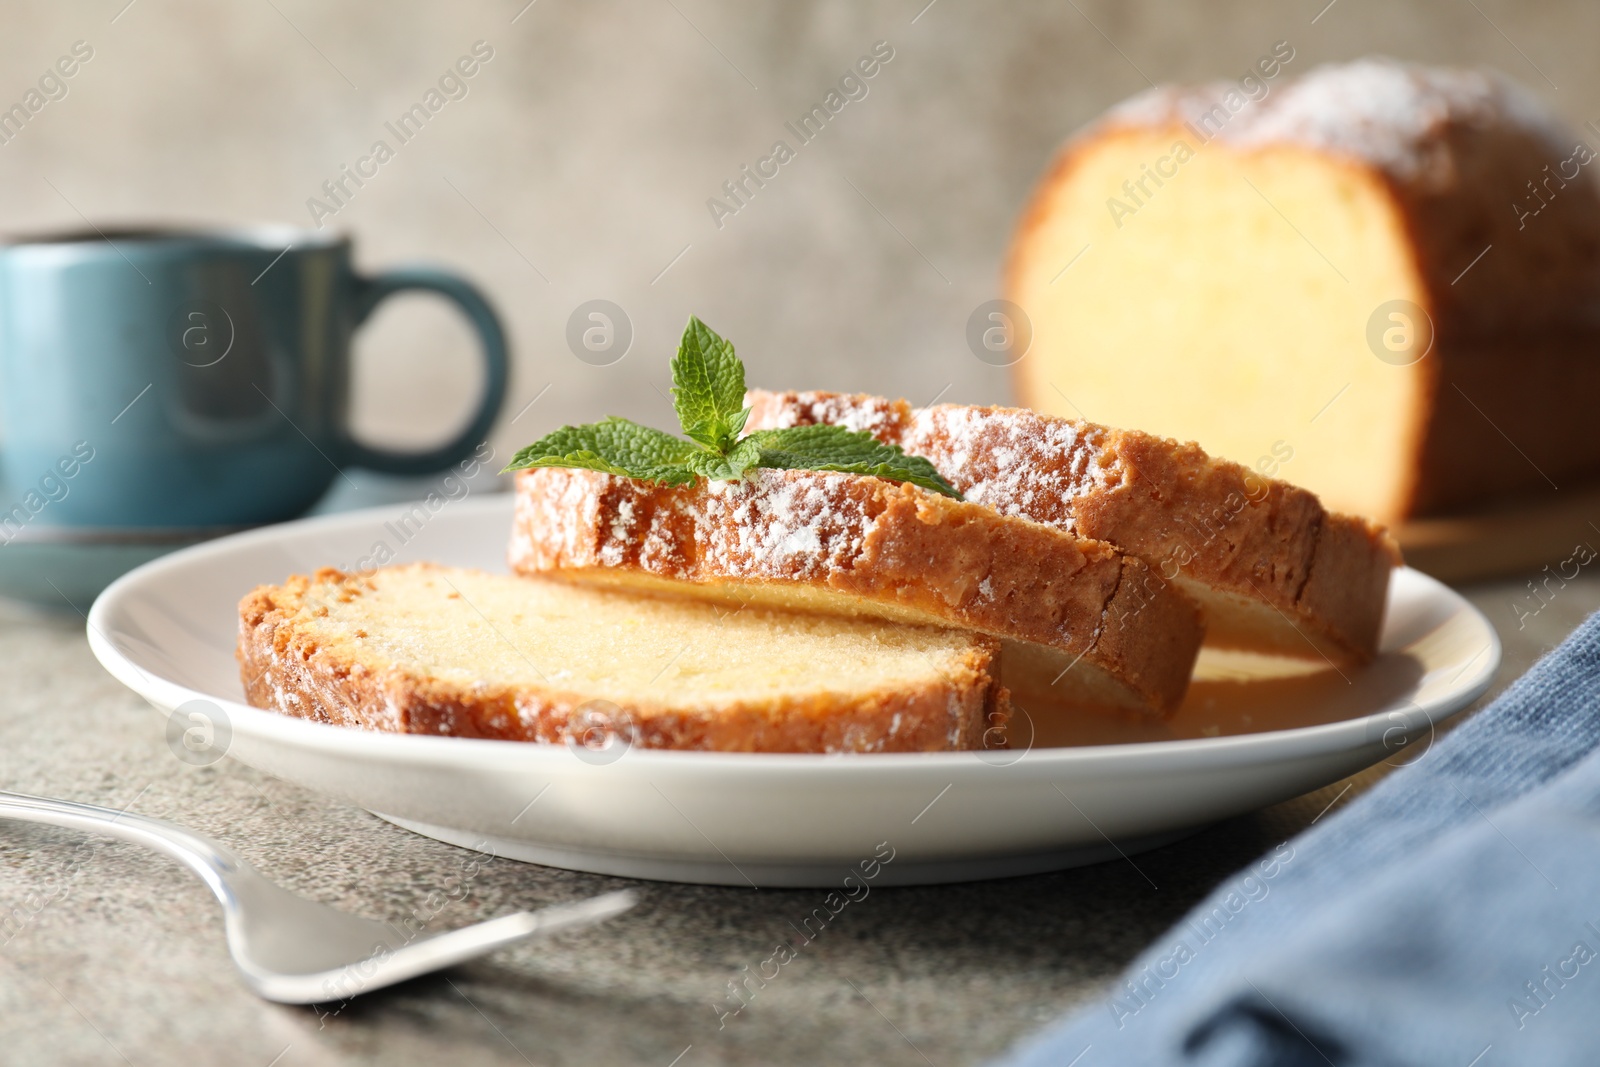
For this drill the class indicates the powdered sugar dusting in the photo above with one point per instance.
(783, 524)
(1016, 461)
(622, 524)
(879, 416)
(1013, 460)
(1380, 110)
(537, 509)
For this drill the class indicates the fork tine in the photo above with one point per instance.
(273, 933)
(424, 955)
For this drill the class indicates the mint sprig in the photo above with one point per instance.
(708, 396)
(708, 388)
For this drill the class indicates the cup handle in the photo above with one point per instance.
(373, 290)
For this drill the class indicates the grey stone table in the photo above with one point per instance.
(113, 955)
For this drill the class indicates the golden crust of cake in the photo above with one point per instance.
(1075, 607)
(1235, 541)
(424, 649)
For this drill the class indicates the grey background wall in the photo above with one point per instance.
(579, 162)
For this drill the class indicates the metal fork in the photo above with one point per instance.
(296, 951)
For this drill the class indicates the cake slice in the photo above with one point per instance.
(1080, 619)
(1391, 269)
(1269, 567)
(424, 649)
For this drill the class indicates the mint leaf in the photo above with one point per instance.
(614, 446)
(708, 388)
(726, 468)
(708, 395)
(834, 448)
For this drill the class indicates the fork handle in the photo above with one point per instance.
(208, 859)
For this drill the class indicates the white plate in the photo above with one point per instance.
(167, 631)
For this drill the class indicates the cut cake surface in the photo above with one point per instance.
(424, 649)
(1078, 617)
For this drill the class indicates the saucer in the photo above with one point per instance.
(66, 567)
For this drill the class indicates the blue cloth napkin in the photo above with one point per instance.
(1450, 916)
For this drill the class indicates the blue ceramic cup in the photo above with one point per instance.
(176, 378)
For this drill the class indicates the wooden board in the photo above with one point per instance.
(1517, 538)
